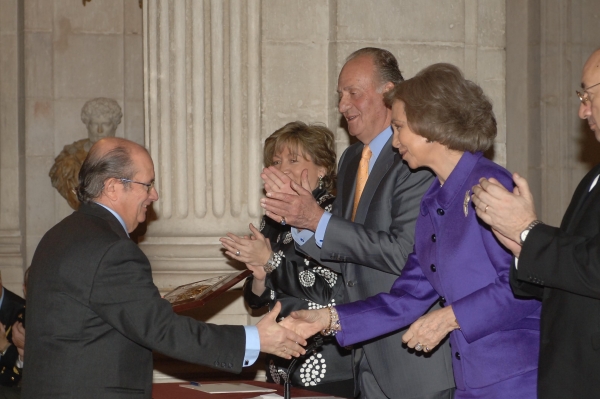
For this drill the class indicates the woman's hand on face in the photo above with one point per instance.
(429, 330)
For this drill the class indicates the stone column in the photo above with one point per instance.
(11, 144)
(547, 44)
(202, 101)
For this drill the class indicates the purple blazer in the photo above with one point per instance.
(458, 261)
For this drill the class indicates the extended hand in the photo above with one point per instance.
(277, 340)
(307, 323)
(507, 213)
(427, 332)
(299, 210)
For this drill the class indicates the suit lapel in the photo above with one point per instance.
(583, 197)
(349, 188)
(384, 161)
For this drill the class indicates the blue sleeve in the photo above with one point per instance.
(252, 345)
(301, 237)
(321, 227)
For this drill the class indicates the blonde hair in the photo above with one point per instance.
(316, 141)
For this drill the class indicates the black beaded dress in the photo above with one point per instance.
(299, 282)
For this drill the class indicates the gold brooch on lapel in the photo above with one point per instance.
(466, 202)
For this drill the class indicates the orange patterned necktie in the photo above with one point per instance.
(361, 177)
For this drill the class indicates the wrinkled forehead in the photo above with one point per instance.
(142, 163)
(359, 71)
(591, 71)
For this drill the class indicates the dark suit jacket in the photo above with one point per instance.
(94, 316)
(562, 267)
(370, 253)
(12, 306)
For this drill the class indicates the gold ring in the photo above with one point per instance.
(485, 209)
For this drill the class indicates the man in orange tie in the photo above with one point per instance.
(369, 233)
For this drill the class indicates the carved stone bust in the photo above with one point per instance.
(101, 116)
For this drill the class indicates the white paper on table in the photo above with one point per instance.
(276, 396)
(227, 387)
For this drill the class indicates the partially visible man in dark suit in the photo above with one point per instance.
(11, 310)
(93, 313)
(559, 265)
(370, 231)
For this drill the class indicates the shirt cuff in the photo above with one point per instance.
(321, 227)
(301, 237)
(516, 263)
(252, 345)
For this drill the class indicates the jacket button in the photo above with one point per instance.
(230, 365)
(433, 268)
(433, 238)
(350, 283)
(442, 300)
(440, 212)
(457, 355)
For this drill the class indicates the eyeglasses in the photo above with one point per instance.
(149, 186)
(584, 96)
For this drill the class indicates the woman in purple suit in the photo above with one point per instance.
(444, 122)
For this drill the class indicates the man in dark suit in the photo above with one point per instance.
(370, 231)
(11, 311)
(93, 313)
(559, 265)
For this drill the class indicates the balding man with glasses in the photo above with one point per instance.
(94, 315)
(560, 265)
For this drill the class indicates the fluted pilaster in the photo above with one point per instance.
(202, 99)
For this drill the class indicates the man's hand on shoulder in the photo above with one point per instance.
(507, 213)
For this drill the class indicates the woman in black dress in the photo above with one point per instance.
(280, 273)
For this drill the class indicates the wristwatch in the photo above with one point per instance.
(525, 232)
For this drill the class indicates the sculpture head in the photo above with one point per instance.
(101, 116)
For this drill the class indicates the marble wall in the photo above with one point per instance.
(74, 53)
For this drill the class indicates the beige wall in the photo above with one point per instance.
(547, 43)
(73, 53)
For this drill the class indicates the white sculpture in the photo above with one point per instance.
(101, 117)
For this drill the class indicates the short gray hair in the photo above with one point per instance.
(385, 63)
(116, 163)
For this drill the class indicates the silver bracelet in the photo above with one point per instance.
(272, 263)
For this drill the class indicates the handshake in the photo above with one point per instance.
(287, 338)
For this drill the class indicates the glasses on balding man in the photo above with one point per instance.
(584, 96)
(149, 186)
